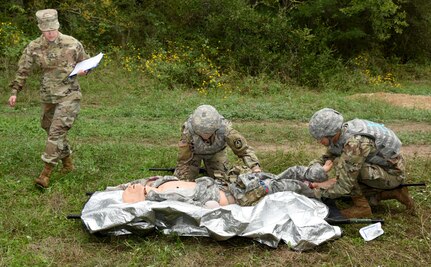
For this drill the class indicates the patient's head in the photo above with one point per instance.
(134, 193)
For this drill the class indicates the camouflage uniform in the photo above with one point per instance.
(367, 159)
(249, 188)
(193, 150)
(206, 189)
(59, 93)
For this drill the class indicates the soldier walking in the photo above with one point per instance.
(56, 54)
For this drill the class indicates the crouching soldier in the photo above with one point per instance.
(367, 161)
(205, 136)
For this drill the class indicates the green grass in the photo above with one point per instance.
(127, 124)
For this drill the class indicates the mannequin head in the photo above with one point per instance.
(134, 193)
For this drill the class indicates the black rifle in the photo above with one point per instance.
(73, 216)
(201, 170)
(413, 184)
(337, 221)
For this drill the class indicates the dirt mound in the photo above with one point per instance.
(401, 100)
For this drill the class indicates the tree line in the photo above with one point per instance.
(301, 41)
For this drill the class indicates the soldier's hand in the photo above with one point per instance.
(12, 100)
(82, 72)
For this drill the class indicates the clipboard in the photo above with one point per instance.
(87, 64)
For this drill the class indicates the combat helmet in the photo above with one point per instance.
(205, 120)
(325, 122)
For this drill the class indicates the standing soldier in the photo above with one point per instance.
(367, 162)
(56, 55)
(205, 136)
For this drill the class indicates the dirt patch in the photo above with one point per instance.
(409, 127)
(417, 150)
(401, 100)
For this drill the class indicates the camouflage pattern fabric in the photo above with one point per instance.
(206, 189)
(313, 173)
(205, 120)
(325, 122)
(353, 171)
(216, 166)
(216, 163)
(59, 93)
(56, 60)
(157, 181)
(249, 188)
(56, 120)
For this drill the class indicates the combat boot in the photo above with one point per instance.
(43, 179)
(401, 194)
(67, 165)
(360, 208)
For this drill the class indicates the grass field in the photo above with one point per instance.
(127, 124)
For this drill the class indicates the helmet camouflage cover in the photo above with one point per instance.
(325, 122)
(205, 120)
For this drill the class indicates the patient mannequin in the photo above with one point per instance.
(138, 192)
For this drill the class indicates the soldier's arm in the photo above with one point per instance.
(241, 149)
(80, 53)
(185, 153)
(323, 158)
(80, 56)
(350, 162)
(24, 69)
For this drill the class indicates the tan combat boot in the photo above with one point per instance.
(67, 165)
(360, 208)
(401, 194)
(43, 179)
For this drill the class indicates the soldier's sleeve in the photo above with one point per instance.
(185, 150)
(322, 159)
(347, 169)
(24, 68)
(80, 52)
(240, 148)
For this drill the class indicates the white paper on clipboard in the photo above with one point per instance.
(87, 64)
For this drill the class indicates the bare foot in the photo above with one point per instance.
(328, 165)
(326, 184)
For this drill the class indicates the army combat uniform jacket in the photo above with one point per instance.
(366, 153)
(193, 149)
(56, 60)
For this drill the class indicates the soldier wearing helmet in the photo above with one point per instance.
(205, 136)
(367, 159)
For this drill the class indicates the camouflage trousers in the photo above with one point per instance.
(57, 119)
(251, 187)
(216, 166)
(373, 178)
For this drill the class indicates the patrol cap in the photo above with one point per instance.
(205, 120)
(47, 20)
(325, 122)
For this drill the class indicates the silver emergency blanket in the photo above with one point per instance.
(295, 219)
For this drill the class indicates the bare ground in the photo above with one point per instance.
(401, 100)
